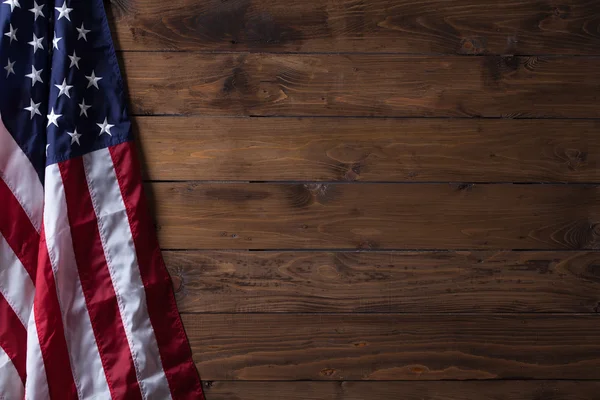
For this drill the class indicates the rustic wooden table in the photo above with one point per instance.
(454, 143)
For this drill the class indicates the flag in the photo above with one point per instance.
(87, 309)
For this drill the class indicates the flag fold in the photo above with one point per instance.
(87, 309)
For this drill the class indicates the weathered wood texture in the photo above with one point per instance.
(399, 282)
(430, 26)
(376, 216)
(394, 347)
(362, 85)
(330, 149)
(470, 390)
(482, 306)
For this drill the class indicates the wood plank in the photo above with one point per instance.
(333, 149)
(429, 26)
(448, 390)
(376, 216)
(393, 347)
(362, 85)
(397, 282)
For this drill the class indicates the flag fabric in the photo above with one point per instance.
(87, 309)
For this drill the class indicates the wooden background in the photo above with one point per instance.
(376, 199)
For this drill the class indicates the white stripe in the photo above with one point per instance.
(84, 355)
(15, 284)
(36, 385)
(119, 249)
(11, 387)
(19, 175)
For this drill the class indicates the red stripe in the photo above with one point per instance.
(13, 337)
(17, 229)
(50, 331)
(173, 345)
(97, 285)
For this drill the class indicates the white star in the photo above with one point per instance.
(37, 10)
(53, 118)
(34, 108)
(105, 127)
(74, 137)
(36, 43)
(64, 11)
(12, 34)
(84, 108)
(82, 32)
(10, 68)
(93, 80)
(74, 60)
(55, 42)
(64, 88)
(13, 4)
(35, 76)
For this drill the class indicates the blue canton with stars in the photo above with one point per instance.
(61, 92)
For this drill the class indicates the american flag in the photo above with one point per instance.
(86, 304)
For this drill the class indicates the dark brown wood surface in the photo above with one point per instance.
(394, 347)
(330, 149)
(469, 390)
(391, 282)
(403, 26)
(362, 85)
(376, 216)
(375, 199)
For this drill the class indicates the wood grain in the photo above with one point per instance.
(469, 390)
(398, 282)
(362, 85)
(430, 26)
(392, 347)
(376, 216)
(332, 149)
(507, 302)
